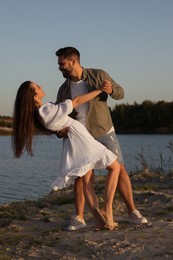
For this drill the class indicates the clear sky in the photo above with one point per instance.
(131, 39)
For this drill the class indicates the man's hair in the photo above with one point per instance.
(68, 52)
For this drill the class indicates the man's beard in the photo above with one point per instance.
(66, 73)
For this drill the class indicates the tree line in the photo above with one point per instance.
(147, 117)
(5, 121)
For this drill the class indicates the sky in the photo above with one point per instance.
(131, 39)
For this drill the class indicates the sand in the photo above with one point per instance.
(38, 229)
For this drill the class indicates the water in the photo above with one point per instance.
(28, 177)
(153, 147)
(31, 177)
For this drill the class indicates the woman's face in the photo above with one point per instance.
(38, 90)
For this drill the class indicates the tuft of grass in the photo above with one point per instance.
(170, 208)
(16, 211)
(170, 146)
(46, 219)
(163, 166)
(4, 257)
(56, 198)
(147, 187)
(12, 239)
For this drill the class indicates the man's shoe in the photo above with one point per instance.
(135, 217)
(76, 223)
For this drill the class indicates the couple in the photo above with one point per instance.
(96, 117)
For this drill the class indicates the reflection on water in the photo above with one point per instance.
(31, 177)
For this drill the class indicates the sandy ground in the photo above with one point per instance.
(37, 229)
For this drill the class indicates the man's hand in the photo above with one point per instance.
(106, 87)
(63, 133)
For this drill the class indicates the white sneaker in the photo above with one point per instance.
(135, 217)
(76, 223)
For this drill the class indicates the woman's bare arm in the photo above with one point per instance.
(76, 102)
(85, 97)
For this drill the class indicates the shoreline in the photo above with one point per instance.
(4, 131)
(37, 229)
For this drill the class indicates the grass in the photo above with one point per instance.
(57, 198)
(4, 257)
(7, 239)
(163, 166)
(17, 210)
(147, 187)
(170, 208)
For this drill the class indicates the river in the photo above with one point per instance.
(31, 177)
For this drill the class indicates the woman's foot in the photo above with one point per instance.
(102, 222)
(109, 219)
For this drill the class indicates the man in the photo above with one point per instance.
(95, 115)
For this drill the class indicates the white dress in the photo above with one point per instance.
(80, 152)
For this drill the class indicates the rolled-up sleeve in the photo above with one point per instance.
(117, 91)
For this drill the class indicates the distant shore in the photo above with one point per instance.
(8, 131)
(5, 131)
(5, 125)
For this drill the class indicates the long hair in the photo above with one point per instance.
(25, 120)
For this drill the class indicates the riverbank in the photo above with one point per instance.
(5, 131)
(37, 229)
(6, 123)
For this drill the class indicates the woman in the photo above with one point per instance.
(81, 152)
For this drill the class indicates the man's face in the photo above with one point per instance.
(65, 66)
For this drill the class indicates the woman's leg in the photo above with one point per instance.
(110, 188)
(91, 198)
(79, 197)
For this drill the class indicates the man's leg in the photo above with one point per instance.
(124, 183)
(125, 188)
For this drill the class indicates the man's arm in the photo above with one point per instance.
(117, 91)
